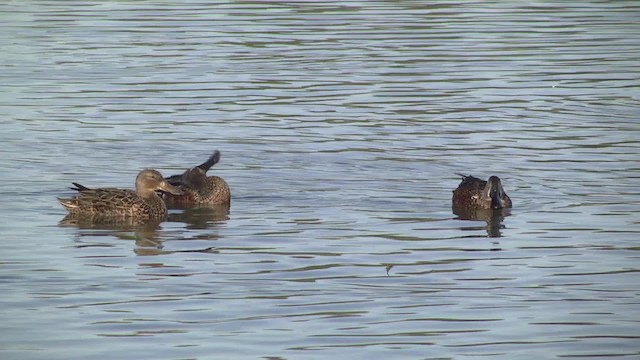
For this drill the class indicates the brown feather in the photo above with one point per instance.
(199, 190)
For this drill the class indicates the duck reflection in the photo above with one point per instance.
(492, 217)
(201, 218)
(145, 234)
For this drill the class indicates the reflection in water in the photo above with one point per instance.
(144, 234)
(341, 123)
(201, 218)
(493, 218)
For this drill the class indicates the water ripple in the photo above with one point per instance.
(342, 126)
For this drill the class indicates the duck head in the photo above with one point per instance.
(494, 194)
(149, 181)
(194, 178)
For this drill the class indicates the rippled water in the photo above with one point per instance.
(341, 127)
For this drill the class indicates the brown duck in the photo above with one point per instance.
(474, 193)
(199, 190)
(108, 203)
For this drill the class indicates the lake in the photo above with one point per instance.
(342, 128)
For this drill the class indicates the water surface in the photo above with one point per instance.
(342, 126)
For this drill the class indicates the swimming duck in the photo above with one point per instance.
(107, 203)
(474, 193)
(199, 189)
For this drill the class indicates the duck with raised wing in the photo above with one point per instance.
(108, 203)
(199, 190)
(474, 193)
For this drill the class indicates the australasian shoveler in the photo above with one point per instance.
(199, 190)
(474, 193)
(108, 203)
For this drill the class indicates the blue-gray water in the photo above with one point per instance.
(341, 127)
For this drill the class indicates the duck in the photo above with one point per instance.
(474, 194)
(199, 190)
(108, 203)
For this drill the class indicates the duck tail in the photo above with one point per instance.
(79, 187)
(205, 166)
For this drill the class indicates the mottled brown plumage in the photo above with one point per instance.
(199, 189)
(109, 203)
(473, 193)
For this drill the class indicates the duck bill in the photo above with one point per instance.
(166, 187)
(496, 202)
(495, 192)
